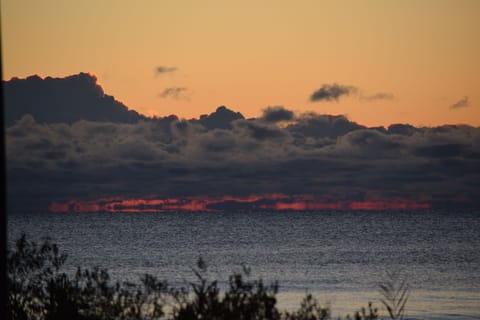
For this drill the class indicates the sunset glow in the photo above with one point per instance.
(410, 60)
(277, 202)
(307, 105)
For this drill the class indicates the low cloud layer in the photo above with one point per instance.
(329, 158)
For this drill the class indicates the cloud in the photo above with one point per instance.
(378, 96)
(322, 126)
(277, 114)
(402, 129)
(167, 157)
(222, 118)
(329, 92)
(69, 99)
(163, 69)
(177, 93)
(222, 153)
(462, 103)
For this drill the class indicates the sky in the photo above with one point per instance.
(412, 62)
(264, 105)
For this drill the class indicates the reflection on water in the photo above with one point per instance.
(341, 255)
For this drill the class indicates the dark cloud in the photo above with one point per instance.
(378, 96)
(163, 69)
(222, 153)
(171, 158)
(177, 93)
(462, 103)
(277, 114)
(329, 92)
(321, 126)
(402, 129)
(222, 118)
(446, 150)
(69, 99)
(260, 131)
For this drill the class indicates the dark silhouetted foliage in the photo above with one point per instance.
(309, 310)
(39, 290)
(244, 299)
(395, 295)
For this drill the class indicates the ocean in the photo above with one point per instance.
(341, 257)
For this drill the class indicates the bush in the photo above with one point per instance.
(309, 310)
(244, 299)
(39, 290)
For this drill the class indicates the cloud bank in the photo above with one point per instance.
(281, 159)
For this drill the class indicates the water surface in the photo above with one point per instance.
(340, 256)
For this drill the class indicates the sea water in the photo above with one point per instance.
(341, 257)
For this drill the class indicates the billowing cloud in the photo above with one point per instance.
(277, 114)
(323, 126)
(177, 93)
(326, 157)
(223, 160)
(378, 96)
(222, 118)
(329, 92)
(402, 129)
(462, 103)
(67, 100)
(163, 69)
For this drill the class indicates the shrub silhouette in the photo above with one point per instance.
(30, 270)
(395, 295)
(309, 310)
(39, 290)
(363, 315)
(244, 299)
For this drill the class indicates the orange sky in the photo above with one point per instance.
(252, 54)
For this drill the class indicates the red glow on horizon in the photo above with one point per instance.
(306, 206)
(276, 201)
(388, 205)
